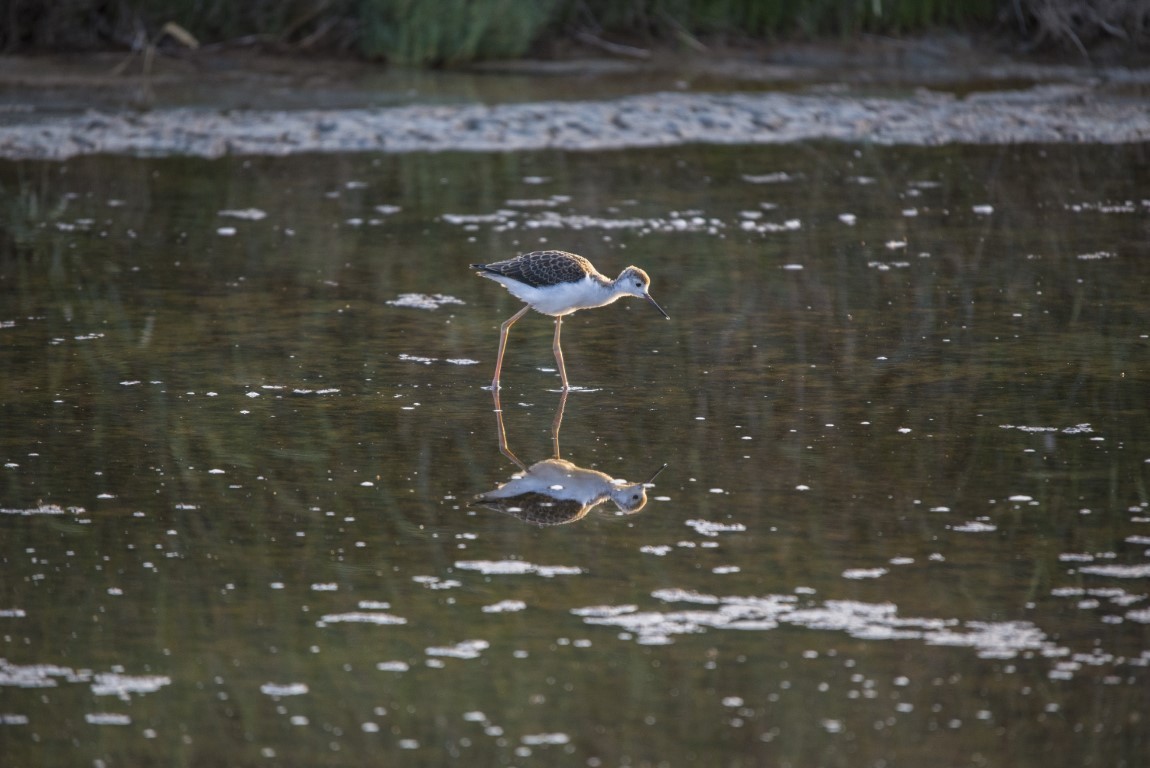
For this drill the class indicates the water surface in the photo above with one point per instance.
(901, 401)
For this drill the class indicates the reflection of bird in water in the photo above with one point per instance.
(555, 491)
(558, 283)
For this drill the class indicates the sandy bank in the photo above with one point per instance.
(924, 92)
(1051, 114)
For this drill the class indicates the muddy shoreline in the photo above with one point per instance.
(1051, 115)
(55, 109)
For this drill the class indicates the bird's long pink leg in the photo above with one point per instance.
(559, 354)
(503, 329)
(557, 422)
(502, 433)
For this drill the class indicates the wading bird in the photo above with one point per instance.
(558, 283)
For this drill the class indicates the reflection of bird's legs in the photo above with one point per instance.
(559, 354)
(558, 422)
(503, 329)
(502, 433)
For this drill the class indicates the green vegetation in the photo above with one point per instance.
(443, 32)
(421, 32)
(770, 18)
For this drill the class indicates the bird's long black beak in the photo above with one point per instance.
(657, 471)
(655, 304)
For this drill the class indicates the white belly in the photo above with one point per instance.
(560, 299)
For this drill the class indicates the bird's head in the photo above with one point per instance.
(629, 498)
(633, 281)
(632, 497)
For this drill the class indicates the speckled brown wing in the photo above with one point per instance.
(536, 508)
(540, 268)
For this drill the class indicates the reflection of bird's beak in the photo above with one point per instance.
(655, 304)
(660, 469)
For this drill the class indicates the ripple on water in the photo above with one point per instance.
(505, 606)
(675, 595)
(1118, 571)
(1125, 206)
(545, 739)
(604, 611)
(712, 528)
(505, 219)
(39, 675)
(103, 683)
(777, 177)
(997, 640)
(974, 526)
(423, 300)
(361, 617)
(434, 582)
(1076, 429)
(246, 214)
(862, 620)
(864, 573)
(516, 568)
(113, 684)
(44, 509)
(284, 689)
(468, 649)
(107, 718)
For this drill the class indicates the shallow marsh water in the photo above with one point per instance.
(901, 401)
